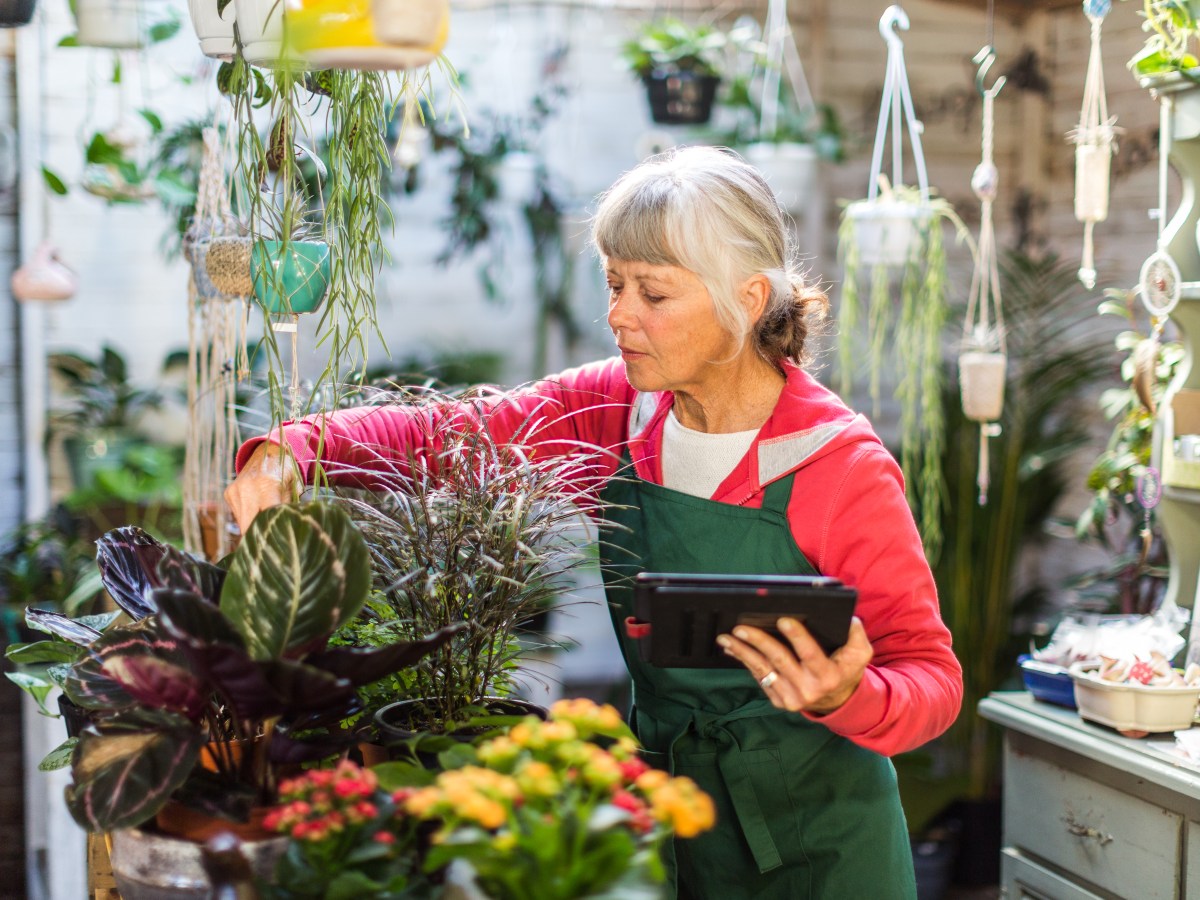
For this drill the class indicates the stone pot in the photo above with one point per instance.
(150, 866)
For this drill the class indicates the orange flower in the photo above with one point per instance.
(680, 803)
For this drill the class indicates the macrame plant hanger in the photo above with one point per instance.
(1095, 143)
(216, 359)
(983, 358)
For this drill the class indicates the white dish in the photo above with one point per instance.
(1132, 707)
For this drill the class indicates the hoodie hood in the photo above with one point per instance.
(808, 423)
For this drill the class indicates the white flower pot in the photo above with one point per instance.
(1092, 165)
(517, 177)
(409, 23)
(110, 23)
(214, 30)
(790, 170)
(260, 26)
(887, 232)
(981, 383)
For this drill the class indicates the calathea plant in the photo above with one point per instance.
(224, 674)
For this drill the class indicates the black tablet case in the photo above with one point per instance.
(677, 617)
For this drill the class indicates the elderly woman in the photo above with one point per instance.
(744, 464)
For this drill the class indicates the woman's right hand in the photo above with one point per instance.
(268, 478)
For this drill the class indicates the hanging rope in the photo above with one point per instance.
(1094, 145)
(216, 348)
(983, 361)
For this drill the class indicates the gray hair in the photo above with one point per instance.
(706, 210)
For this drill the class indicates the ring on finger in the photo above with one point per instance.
(769, 679)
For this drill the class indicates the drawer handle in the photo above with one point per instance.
(1084, 831)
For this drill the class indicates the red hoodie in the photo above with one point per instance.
(847, 513)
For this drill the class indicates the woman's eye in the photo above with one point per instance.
(654, 298)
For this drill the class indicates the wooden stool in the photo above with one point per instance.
(101, 884)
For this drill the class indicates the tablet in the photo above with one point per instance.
(677, 617)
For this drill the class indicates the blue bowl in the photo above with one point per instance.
(1049, 687)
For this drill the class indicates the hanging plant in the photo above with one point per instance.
(896, 234)
(680, 65)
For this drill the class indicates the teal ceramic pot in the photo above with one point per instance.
(303, 274)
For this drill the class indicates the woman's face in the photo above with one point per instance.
(666, 327)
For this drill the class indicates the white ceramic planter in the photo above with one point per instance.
(409, 23)
(887, 232)
(213, 29)
(1133, 707)
(517, 177)
(1092, 165)
(981, 383)
(260, 26)
(790, 170)
(110, 23)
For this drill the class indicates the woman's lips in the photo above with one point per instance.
(626, 353)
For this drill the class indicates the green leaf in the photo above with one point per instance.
(101, 152)
(42, 652)
(298, 575)
(71, 40)
(116, 69)
(395, 775)
(59, 757)
(37, 688)
(352, 886)
(53, 182)
(124, 775)
(221, 4)
(161, 31)
(152, 119)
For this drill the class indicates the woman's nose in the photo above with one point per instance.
(618, 311)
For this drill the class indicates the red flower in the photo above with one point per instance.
(632, 768)
(627, 801)
(384, 837)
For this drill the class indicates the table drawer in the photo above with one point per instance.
(1103, 836)
(1026, 880)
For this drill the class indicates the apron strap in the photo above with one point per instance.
(730, 762)
(778, 494)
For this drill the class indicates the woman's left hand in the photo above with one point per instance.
(801, 677)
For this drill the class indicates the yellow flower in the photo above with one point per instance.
(684, 806)
(423, 801)
(651, 780)
(539, 779)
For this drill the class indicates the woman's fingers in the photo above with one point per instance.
(267, 479)
(805, 677)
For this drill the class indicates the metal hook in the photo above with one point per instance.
(984, 59)
(893, 18)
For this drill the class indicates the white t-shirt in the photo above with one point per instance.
(695, 462)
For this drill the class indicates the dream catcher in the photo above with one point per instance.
(1160, 284)
(216, 361)
(1094, 145)
(983, 360)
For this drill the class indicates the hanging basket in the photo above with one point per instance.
(1093, 162)
(680, 96)
(981, 377)
(343, 34)
(14, 13)
(227, 265)
(110, 23)
(213, 29)
(888, 232)
(412, 23)
(790, 169)
(303, 274)
(44, 277)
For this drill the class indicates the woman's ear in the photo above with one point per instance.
(755, 293)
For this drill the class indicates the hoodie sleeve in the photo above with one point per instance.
(912, 690)
(582, 409)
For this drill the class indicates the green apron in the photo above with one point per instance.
(801, 812)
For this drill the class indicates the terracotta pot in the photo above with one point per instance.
(148, 866)
(184, 822)
(44, 277)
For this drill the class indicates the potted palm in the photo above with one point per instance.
(222, 677)
(680, 65)
(477, 531)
